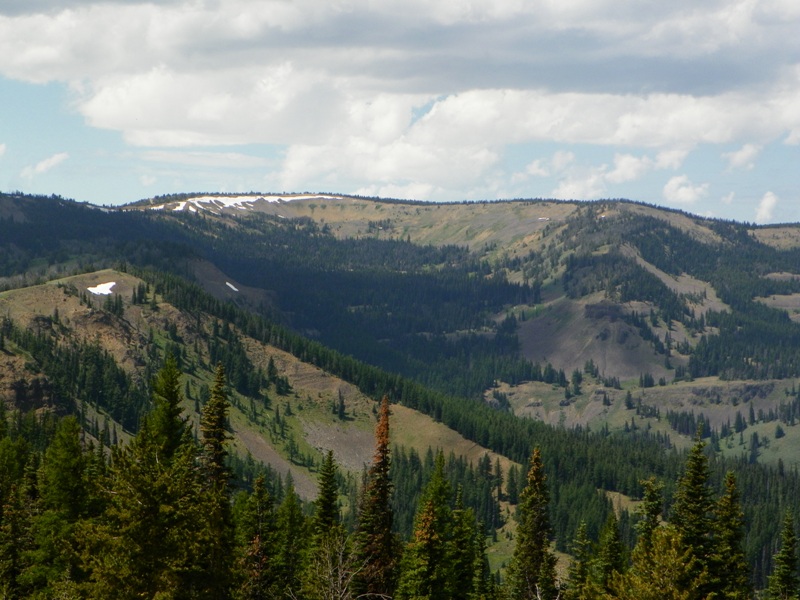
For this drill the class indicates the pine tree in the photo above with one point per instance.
(213, 430)
(531, 572)
(784, 583)
(427, 566)
(731, 571)
(152, 540)
(693, 508)
(649, 516)
(165, 423)
(610, 557)
(257, 540)
(216, 527)
(579, 584)
(291, 542)
(327, 516)
(376, 547)
(661, 573)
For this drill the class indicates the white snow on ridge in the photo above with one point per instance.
(104, 289)
(244, 202)
(230, 285)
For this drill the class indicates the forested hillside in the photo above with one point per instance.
(630, 330)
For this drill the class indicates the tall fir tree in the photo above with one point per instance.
(666, 571)
(611, 554)
(257, 539)
(376, 546)
(693, 511)
(731, 571)
(649, 516)
(216, 527)
(427, 569)
(291, 543)
(784, 583)
(214, 432)
(327, 516)
(165, 424)
(579, 584)
(531, 573)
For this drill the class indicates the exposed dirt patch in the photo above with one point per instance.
(564, 336)
(352, 446)
(262, 451)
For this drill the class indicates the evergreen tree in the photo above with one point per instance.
(216, 527)
(649, 516)
(427, 569)
(731, 571)
(531, 572)
(693, 509)
(784, 583)
(165, 423)
(152, 538)
(327, 516)
(610, 557)
(213, 430)
(579, 583)
(376, 547)
(669, 571)
(291, 542)
(257, 539)
(51, 558)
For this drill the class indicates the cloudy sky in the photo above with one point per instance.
(686, 104)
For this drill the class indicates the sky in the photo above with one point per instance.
(684, 104)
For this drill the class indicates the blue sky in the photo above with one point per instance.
(689, 105)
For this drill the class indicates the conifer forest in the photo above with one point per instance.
(356, 398)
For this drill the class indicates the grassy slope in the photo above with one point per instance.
(312, 422)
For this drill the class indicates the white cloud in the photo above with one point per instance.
(147, 180)
(766, 207)
(628, 168)
(43, 166)
(744, 158)
(417, 96)
(537, 169)
(671, 159)
(2, 150)
(681, 190)
(728, 198)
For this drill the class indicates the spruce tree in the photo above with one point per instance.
(693, 509)
(213, 431)
(579, 583)
(165, 423)
(257, 540)
(731, 571)
(668, 571)
(784, 583)
(610, 557)
(216, 527)
(376, 547)
(427, 569)
(327, 516)
(291, 543)
(649, 516)
(531, 572)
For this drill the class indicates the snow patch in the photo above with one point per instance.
(217, 203)
(104, 289)
(230, 285)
